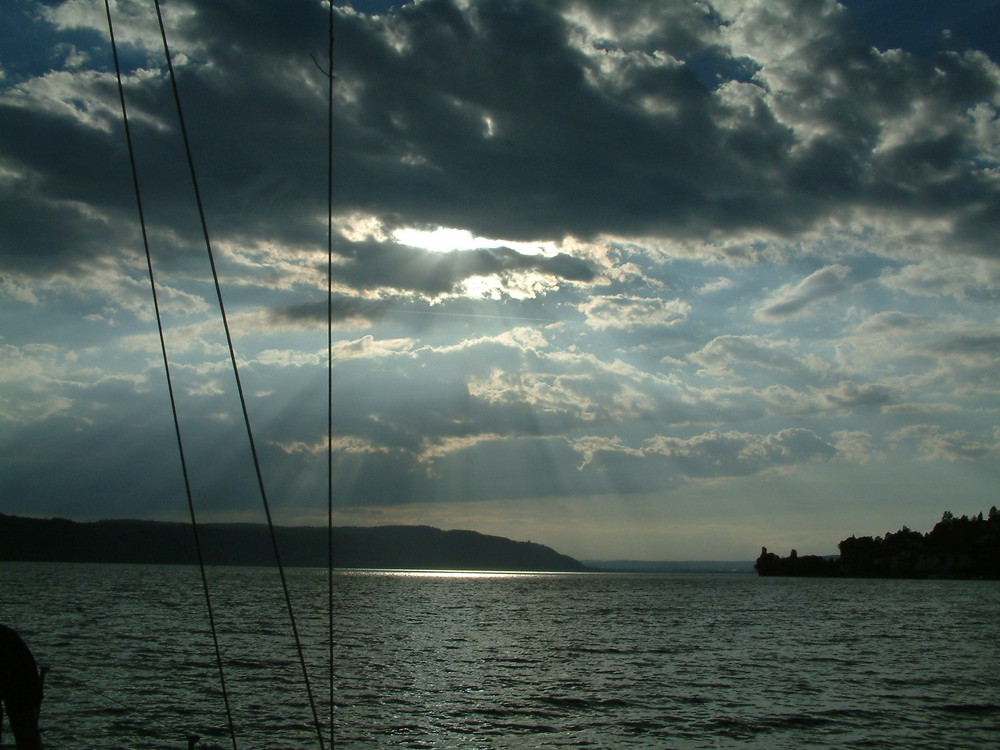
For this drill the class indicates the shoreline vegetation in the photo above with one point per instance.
(957, 548)
(24, 539)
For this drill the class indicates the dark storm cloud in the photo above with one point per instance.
(252, 116)
(849, 395)
(342, 308)
(891, 320)
(498, 116)
(511, 119)
(564, 156)
(971, 346)
(369, 266)
(55, 175)
(379, 265)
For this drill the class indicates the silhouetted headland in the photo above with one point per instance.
(157, 542)
(955, 548)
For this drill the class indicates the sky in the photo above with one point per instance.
(637, 280)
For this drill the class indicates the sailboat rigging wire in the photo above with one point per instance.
(236, 374)
(329, 366)
(166, 367)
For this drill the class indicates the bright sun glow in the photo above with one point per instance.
(447, 573)
(447, 239)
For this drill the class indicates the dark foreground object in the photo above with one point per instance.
(955, 548)
(20, 690)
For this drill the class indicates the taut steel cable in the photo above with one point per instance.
(329, 365)
(236, 374)
(166, 367)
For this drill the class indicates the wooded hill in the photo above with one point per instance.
(414, 547)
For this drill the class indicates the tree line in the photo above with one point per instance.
(957, 547)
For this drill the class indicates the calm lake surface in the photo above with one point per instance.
(511, 661)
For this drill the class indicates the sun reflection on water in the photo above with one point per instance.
(405, 573)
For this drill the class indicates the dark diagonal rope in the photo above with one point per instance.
(329, 367)
(166, 367)
(236, 374)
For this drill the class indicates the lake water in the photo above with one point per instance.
(511, 661)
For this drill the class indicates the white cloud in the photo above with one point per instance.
(716, 286)
(958, 278)
(729, 355)
(289, 358)
(434, 449)
(592, 445)
(712, 454)
(937, 443)
(621, 311)
(541, 392)
(347, 444)
(849, 395)
(801, 298)
(368, 347)
(857, 446)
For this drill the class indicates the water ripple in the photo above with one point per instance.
(513, 662)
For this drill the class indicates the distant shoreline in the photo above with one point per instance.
(733, 567)
(24, 539)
